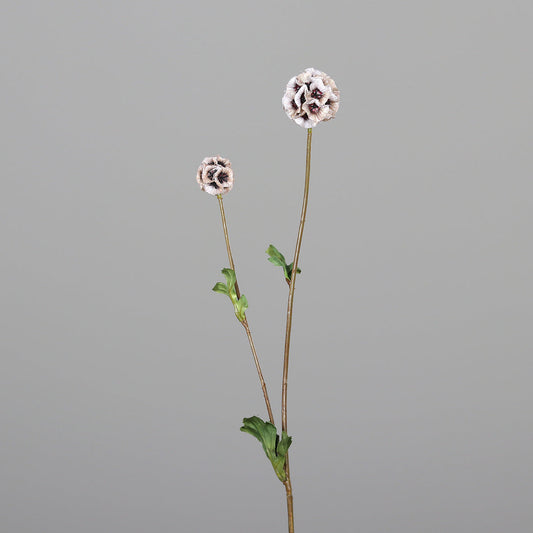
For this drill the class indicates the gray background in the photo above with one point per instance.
(124, 378)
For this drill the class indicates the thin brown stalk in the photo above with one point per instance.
(245, 321)
(290, 509)
(226, 236)
(257, 365)
(288, 486)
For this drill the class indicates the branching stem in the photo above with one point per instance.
(245, 321)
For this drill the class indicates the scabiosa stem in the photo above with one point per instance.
(245, 321)
(290, 301)
(288, 486)
(256, 361)
(226, 237)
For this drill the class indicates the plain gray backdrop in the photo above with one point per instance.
(124, 378)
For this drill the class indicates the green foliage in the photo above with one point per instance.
(277, 258)
(221, 288)
(275, 448)
(231, 278)
(239, 304)
(240, 307)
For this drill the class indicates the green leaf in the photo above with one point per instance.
(274, 447)
(239, 304)
(284, 443)
(264, 432)
(289, 270)
(231, 278)
(221, 288)
(240, 307)
(278, 259)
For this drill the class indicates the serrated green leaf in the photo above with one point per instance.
(279, 467)
(278, 259)
(221, 288)
(284, 443)
(274, 447)
(264, 432)
(240, 307)
(239, 304)
(275, 255)
(231, 278)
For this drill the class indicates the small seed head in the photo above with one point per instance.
(215, 175)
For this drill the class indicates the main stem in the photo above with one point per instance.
(288, 486)
(245, 321)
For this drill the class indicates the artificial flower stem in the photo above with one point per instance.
(245, 321)
(288, 489)
(292, 284)
(226, 236)
(258, 366)
(288, 486)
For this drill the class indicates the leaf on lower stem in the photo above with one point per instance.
(275, 448)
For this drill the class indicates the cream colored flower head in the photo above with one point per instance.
(310, 98)
(215, 175)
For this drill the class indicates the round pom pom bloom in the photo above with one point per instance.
(215, 175)
(310, 98)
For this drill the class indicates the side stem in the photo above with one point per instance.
(245, 321)
(258, 366)
(288, 486)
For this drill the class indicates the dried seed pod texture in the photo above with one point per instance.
(215, 175)
(310, 98)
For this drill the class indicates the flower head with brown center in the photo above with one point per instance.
(310, 98)
(215, 175)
